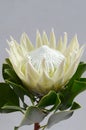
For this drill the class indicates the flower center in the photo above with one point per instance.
(53, 58)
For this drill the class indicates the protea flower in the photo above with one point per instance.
(46, 66)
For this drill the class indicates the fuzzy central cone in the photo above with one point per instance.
(52, 58)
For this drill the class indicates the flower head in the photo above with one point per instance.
(48, 66)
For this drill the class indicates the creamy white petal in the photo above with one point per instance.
(15, 52)
(52, 40)
(59, 72)
(18, 71)
(58, 85)
(74, 45)
(26, 44)
(71, 70)
(81, 50)
(13, 44)
(30, 82)
(38, 40)
(45, 82)
(65, 39)
(73, 67)
(45, 39)
(59, 44)
(64, 43)
(32, 71)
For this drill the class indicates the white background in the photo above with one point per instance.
(18, 16)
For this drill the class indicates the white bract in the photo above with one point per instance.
(48, 66)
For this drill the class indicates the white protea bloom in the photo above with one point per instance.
(48, 66)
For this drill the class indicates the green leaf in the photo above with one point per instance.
(8, 62)
(82, 80)
(16, 128)
(49, 99)
(68, 95)
(11, 78)
(73, 88)
(78, 87)
(20, 90)
(59, 116)
(10, 108)
(9, 74)
(57, 103)
(75, 106)
(80, 70)
(7, 95)
(33, 115)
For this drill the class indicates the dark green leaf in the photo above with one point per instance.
(59, 116)
(57, 103)
(49, 99)
(8, 62)
(20, 90)
(16, 128)
(9, 74)
(7, 95)
(10, 108)
(78, 87)
(5, 75)
(80, 70)
(82, 80)
(75, 106)
(68, 95)
(11, 78)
